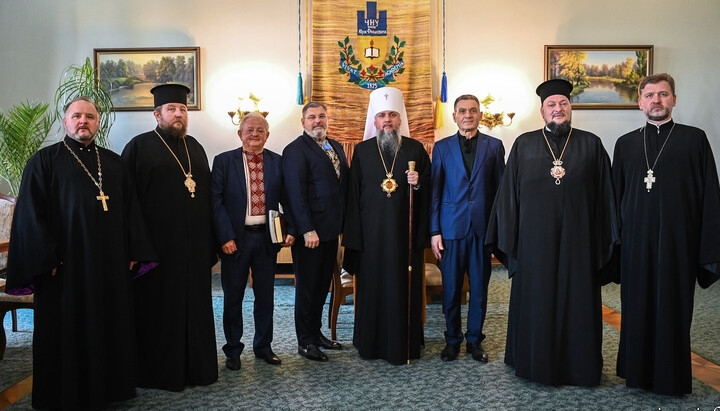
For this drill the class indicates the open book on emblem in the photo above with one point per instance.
(277, 226)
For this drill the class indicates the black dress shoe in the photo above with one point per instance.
(450, 352)
(233, 363)
(477, 352)
(329, 344)
(269, 357)
(312, 352)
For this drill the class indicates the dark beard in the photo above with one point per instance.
(173, 132)
(389, 142)
(658, 118)
(559, 129)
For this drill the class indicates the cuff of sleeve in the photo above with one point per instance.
(309, 233)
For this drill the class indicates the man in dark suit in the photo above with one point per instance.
(247, 183)
(466, 171)
(315, 170)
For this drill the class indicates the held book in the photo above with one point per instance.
(277, 226)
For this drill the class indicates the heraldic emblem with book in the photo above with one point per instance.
(374, 65)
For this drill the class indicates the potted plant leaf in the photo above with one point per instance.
(23, 130)
(81, 80)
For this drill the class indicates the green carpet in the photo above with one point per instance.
(348, 382)
(17, 363)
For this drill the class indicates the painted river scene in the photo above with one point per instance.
(130, 76)
(600, 76)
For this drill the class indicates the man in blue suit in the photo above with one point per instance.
(315, 169)
(466, 171)
(247, 183)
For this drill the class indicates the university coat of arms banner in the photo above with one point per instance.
(359, 46)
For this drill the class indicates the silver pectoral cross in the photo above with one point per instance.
(649, 180)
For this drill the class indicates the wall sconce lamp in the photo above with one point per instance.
(240, 113)
(489, 119)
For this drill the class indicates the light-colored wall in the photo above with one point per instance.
(497, 47)
(491, 47)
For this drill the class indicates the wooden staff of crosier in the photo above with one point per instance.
(411, 167)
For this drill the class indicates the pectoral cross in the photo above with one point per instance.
(649, 180)
(102, 197)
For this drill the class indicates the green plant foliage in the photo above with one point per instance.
(81, 80)
(23, 129)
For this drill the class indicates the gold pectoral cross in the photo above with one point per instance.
(102, 197)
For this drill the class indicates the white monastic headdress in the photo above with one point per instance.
(386, 99)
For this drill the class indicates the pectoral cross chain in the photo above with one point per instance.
(102, 197)
(649, 180)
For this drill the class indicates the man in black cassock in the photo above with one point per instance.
(376, 233)
(553, 225)
(173, 307)
(76, 228)
(666, 184)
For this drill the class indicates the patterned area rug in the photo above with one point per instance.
(348, 382)
(17, 363)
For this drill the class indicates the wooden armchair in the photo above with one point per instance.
(12, 303)
(339, 291)
(8, 302)
(433, 280)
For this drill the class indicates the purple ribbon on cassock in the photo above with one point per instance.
(21, 291)
(145, 267)
(30, 289)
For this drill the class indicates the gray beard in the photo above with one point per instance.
(559, 129)
(389, 142)
(318, 134)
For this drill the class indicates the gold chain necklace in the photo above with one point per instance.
(98, 183)
(557, 172)
(189, 182)
(389, 185)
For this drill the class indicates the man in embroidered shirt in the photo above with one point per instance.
(246, 184)
(670, 239)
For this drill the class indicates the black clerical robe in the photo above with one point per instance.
(376, 234)
(670, 240)
(174, 315)
(555, 239)
(84, 339)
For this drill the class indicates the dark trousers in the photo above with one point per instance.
(467, 254)
(259, 256)
(313, 274)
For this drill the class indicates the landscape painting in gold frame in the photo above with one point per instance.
(603, 77)
(130, 73)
